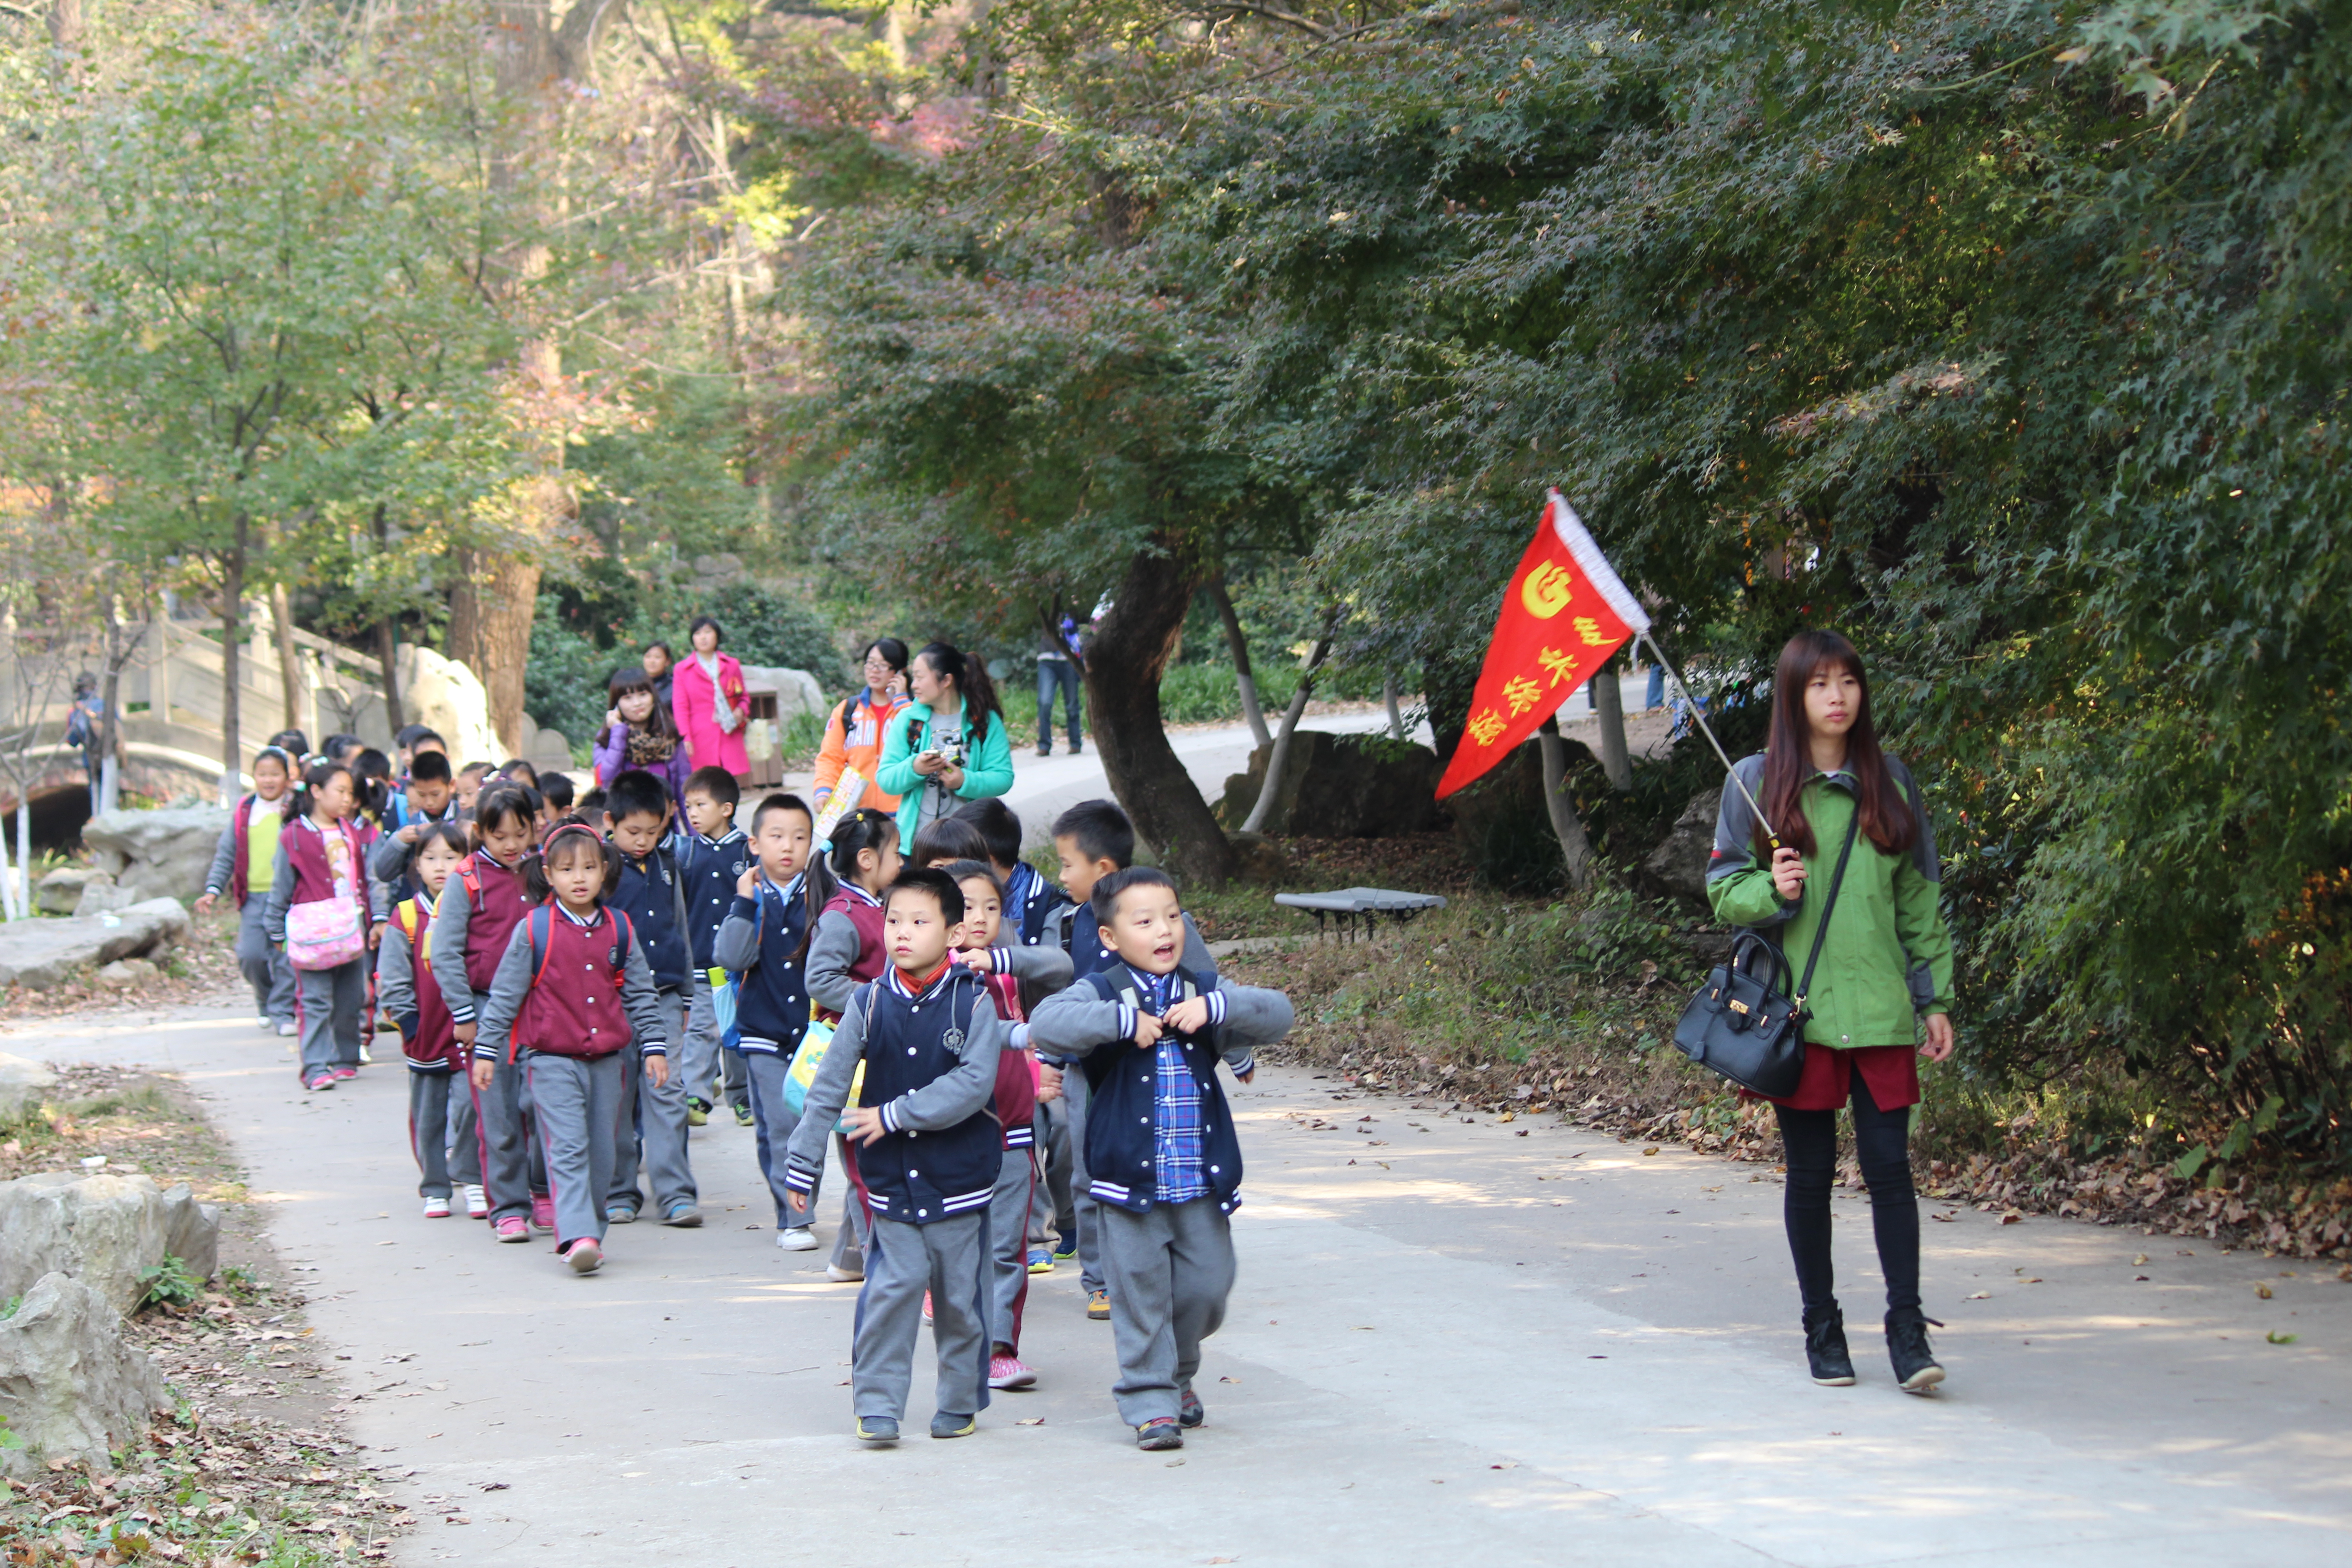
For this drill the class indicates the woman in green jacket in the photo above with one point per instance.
(1882, 992)
(949, 746)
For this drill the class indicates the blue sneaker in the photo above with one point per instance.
(1040, 1261)
(1065, 1249)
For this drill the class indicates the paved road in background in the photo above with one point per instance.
(1450, 1342)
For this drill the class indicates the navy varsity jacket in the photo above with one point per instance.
(710, 868)
(1029, 900)
(930, 1068)
(653, 895)
(1095, 1021)
(761, 942)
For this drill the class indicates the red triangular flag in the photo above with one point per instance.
(1563, 614)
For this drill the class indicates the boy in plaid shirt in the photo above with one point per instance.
(1163, 1164)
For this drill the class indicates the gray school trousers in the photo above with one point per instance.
(428, 1132)
(501, 1124)
(950, 1259)
(701, 1057)
(1076, 1091)
(653, 1125)
(772, 1121)
(328, 1004)
(849, 1242)
(1008, 1246)
(575, 1108)
(265, 966)
(1169, 1270)
(1053, 1208)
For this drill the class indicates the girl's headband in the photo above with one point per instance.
(560, 829)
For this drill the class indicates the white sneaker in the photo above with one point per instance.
(268, 1023)
(437, 1209)
(478, 1202)
(798, 1238)
(286, 1031)
(840, 1275)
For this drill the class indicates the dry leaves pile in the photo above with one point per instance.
(199, 967)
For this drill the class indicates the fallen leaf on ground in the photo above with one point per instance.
(2141, 1261)
(1981, 1296)
(1031, 1421)
(2013, 1219)
(2264, 1291)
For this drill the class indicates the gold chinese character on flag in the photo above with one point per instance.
(1521, 694)
(1590, 630)
(1560, 666)
(1486, 726)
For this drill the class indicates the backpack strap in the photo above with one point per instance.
(471, 876)
(542, 922)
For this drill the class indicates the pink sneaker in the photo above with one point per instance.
(542, 1211)
(318, 1081)
(1007, 1371)
(513, 1229)
(927, 1306)
(342, 1073)
(584, 1255)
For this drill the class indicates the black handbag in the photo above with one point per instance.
(1752, 1030)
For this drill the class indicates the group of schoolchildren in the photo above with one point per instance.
(990, 1056)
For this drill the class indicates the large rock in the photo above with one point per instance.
(100, 896)
(1341, 786)
(70, 1388)
(23, 1084)
(796, 691)
(1677, 867)
(446, 695)
(156, 852)
(60, 890)
(102, 1231)
(38, 954)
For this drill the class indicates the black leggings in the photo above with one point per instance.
(1882, 1142)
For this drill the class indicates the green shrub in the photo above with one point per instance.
(169, 1283)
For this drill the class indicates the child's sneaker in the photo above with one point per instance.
(367, 1056)
(879, 1430)
(1065, 1248)
(684, 1215)
(1040, 1261)
(287, 1029)
(345, 1072)
(1098, 1305)
(947, 1425)
(437, 1209)
(1159, 1434)
(512, 1228)
(584, 1255)
(268, 1023)
(840, 1275)
(478, 1202)
(1005, 1370)
(542, 1212)
(742, 1116)
(619, 1214)
(698, 1112)
(319, 1082)
(1190, 1412)
(927, 1306)
(796, 1239)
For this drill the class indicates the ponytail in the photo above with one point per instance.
(972, 684)
(299, 799)
(863, 829)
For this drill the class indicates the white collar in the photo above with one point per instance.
(589, 924)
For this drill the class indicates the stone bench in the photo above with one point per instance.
(1351, 908)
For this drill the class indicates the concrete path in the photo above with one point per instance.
(1450, 1342)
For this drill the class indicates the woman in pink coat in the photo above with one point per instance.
(708, 699)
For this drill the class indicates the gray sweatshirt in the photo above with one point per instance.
(832, 952)
(1075, 1022)
(513, 981)
(940, 1104)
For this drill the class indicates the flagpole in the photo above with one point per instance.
(1700, 719)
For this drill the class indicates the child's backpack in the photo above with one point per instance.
(810, 1055)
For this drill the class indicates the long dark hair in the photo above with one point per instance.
(972, 684)
(627, 682)
(1885, 814)
(863, 829)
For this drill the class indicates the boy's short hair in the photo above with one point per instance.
(947, 838)
(429, 767)
(636, 793)
(980, 871)
(1000, 829)
(1101, 831)
(938, 885)
(779, 801)
(718, 784)
(589, 804)
(557, 790)
(411, 736)
(519, 770)
(478, 769)
(1103, 901)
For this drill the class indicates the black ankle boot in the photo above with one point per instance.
(1915, 1367)
(1826, 1349)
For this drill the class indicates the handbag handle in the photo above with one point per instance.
(1742, 963)
(1829, 908)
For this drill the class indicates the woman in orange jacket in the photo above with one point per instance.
(852, 735)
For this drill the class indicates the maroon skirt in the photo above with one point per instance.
(1892, 1072)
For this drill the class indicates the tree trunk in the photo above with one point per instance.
(490, 629)
(1396, 715)
(1131, 649)
(65, 21)
(290, 664)
(232, 619)
(1609, 706)
(387, 653)
(109, 729)
(1280, 758)
(1575, 850)
(1238, 646)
